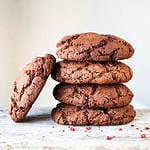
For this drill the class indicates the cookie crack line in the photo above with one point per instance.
(24, 88)
(69, 40)
(92, 48)
(102, 44)
(88, 51)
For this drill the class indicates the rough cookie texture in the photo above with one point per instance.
(93, 96)
(73, 115)
(28, 85)
(93, 47)
(91, 72)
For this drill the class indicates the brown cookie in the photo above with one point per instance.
(73, 115)
(28, 85)
(93, 47)
(91, 72)
(93, 96)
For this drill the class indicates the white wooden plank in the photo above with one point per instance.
(39, 131)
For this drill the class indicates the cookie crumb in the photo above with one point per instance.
(120, 129)
(147, 128)
(72, 129)
(52, 126)
(143, 135)
(141, 130)
(108, 138)
(88, 128)
(63, 130)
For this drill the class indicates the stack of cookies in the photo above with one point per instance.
(91, 77)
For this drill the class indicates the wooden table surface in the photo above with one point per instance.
(39, 131)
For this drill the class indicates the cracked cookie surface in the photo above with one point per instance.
(28, 85)
(91, 72)
(73, 115)
(93, 47)
(93, 96)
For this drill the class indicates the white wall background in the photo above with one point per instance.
(30, 28)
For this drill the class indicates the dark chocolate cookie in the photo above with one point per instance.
(73, 115)
(93, 96)
(91, 72)
(28, 85)
(93, 47)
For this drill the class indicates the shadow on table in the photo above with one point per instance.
(37, 118)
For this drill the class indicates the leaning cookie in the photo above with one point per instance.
(91, 72)
(73, 115)
(93, 95)
(28, 85)
(93, 47)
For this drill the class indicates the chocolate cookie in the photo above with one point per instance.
(93, 47)
(28, 85)
(93, 96)
(91, 72)
(73, 115)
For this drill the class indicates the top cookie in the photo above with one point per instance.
(28, 85)
(93, 47)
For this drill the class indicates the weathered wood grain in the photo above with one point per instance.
(39, 131)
